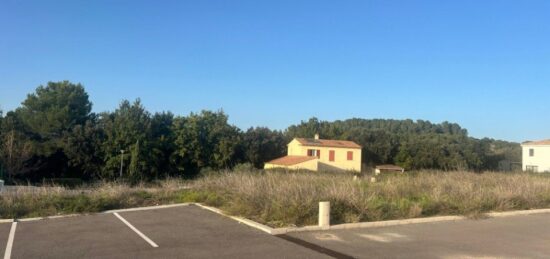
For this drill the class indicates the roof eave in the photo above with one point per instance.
(331, 146)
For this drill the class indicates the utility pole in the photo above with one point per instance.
(121, 162)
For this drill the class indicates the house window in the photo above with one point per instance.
(531, 168)
(331, 155)
(313, 152)
(350, 155)
(531, 152)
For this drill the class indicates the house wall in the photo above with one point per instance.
(340, 156)
(541, 157)
(294, 148)
(309, 165)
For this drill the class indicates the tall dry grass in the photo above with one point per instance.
(282, 199)
(279, 198)
(29, 201)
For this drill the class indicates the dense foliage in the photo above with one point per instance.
(414, 144)
(54, 134)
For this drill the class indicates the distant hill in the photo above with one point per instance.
(414, 144)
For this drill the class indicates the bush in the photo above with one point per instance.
(244, 167)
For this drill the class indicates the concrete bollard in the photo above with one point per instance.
(324, 214)
(1, 185)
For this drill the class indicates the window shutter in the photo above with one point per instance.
(350, 155)
(318, 153)
(331, 155)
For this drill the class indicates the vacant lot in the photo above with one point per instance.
(291, 198)
(281, 199)
(22, 201)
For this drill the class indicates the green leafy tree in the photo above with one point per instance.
(129, 126)
(83, 149)
(55, 134)
(138, 169)
(206, 140)
(163, 146)
(404, 159)
(15, 147)
(306, 129)
(47, 118)
(262, 144)
(53, 110)
(413, 144)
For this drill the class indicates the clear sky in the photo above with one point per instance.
(482, 64)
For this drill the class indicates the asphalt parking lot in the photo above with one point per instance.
(193, 232)
(524, 236)
(4, 232)
(180, 232)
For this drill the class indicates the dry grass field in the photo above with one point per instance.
(22, 201)
(279, 198)
(282, 199)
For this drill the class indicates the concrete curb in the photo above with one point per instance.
(516, 212)
(245, 221)
(30, 219)
(49, 217)
(84, 214)
(64, 216)
(387, 223)
(149, 208)
(374, 224)
(279, 231)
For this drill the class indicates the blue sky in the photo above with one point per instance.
(482, 64)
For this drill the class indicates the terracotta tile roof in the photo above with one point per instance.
(540, 142)
(389, 167)
(327, 143)
(291, 160)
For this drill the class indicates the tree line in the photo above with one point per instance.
(55, 134)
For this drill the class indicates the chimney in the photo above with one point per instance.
(316, 135)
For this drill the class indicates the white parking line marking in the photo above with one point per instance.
(385, 237)
(150, 207)
(327, 237)
(9, 245)
(377, 238)
(396, 235)
(153, 244)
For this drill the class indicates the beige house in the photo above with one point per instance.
(320, 154)
(536, 156)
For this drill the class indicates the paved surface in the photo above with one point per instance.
(4, 232)
(526, 236)
(192, 232)
(181, 232)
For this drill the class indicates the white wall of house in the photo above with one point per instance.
(536, 158)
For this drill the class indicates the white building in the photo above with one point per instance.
(536, 156)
